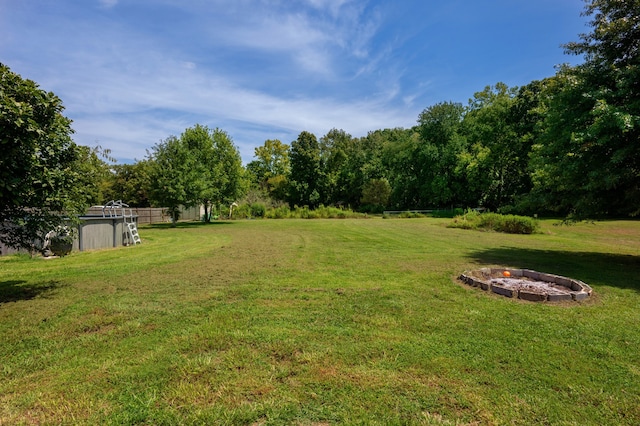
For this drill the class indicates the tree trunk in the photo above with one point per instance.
(207, 215)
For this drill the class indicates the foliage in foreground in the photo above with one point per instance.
(510, 224)
(39, 163)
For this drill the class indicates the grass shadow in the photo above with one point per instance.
(185, 225)
(17, 290)
(616, 270)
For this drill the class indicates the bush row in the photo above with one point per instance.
(259, 210)
(511, 224)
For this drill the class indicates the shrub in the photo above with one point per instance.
(243, 211)
(281, 212)
(511, 224)
(258, 210)
(468, 220)
(322, 212)
(250, 211)
(302, 213)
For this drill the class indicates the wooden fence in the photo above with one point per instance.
(154, 214)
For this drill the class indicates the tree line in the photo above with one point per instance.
(566, 145)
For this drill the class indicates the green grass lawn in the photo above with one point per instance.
(318, 322)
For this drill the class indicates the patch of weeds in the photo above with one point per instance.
(510, 224)
(321, 212)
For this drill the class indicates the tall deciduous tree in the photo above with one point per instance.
(273, 157)
(94, 172)
(335, 147)
(437, 153)
(399, 163)
(175, 175)
(199, 142)
(376, 193)
(495, 162)
(38, 158)
(202, 167)
(615, 39)
(588, 163)
(228, 183)
(305, 175)
(271, 168)
(130, 183)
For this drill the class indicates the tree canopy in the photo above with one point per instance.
(39, 177)
(305, 175)
(270, 169)
(174, 176)
(587, 163)
(130, 183)
(202, 167)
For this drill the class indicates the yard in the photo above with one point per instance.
(317, 322)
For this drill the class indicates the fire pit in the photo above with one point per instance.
(527, 285)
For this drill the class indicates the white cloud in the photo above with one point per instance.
(108, 3)
(282, 32)
(129, 114)
(333, 6)
(126, 88)
(329, 31)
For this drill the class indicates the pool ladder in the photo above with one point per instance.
(133, 232)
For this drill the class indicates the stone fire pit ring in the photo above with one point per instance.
(528, 285)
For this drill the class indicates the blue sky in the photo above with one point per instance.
(133, 72)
